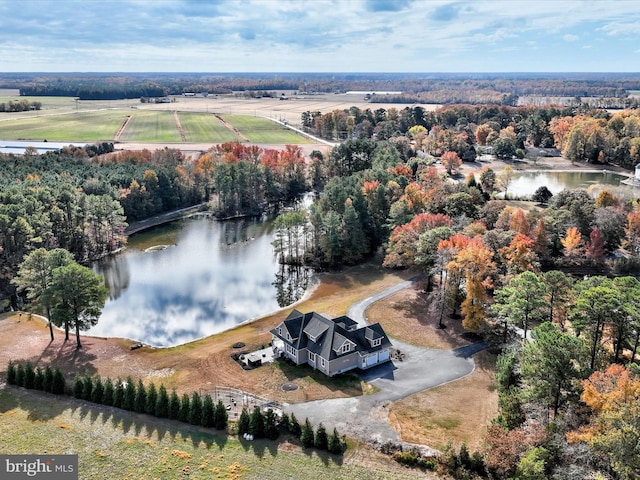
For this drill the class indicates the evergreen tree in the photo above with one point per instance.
(29, 375)
(271, 425)
(152, 399)
(47, 380)
(221, 416)
(195, 409)
(306, 436)
(87, 388)
(285, 424)
(294, 426)
(97, 393)
(174, 405)
(321, 441)
(140, 399)
(208, 412)
(162, 404)
(38, 379)
(107, 395)
(58, 384)
(11, 373)
(128, 400)
(243, 422)
(78, 386)
(335, 445)
(256, 423)
(118, 394)
(20, 375)
(185, 404)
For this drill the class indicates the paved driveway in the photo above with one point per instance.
(366, 416)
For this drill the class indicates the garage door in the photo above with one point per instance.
(384, 356)
(372, 359)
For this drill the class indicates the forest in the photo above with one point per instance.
(553, 288)
(440, 88)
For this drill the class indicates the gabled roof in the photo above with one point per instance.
(325, 337)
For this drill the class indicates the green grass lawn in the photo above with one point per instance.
(148, 126)
(73, 127)
(262, 130)
(114, 444)
(202, 127)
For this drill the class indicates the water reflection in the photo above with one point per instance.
(213, 276)
(526, 183)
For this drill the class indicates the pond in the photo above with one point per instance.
(192, 278)
(526, 183)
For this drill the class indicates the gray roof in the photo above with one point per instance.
(330, 334)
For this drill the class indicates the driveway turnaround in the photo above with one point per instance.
(415, 369)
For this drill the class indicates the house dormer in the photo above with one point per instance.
(342, 344)
(374, 338)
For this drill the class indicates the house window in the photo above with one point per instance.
(377, 342)
(288, 336)
(346, 347)
(312, 357)
(291, 350)
(280, 331)
(322, 362)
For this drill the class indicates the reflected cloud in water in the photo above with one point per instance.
(217, 275)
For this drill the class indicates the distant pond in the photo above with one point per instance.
(526, 183)
(192, 278)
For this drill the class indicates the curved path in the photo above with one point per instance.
(366, 416)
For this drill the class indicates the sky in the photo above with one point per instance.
(319, 36)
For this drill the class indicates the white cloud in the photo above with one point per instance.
(570, 38)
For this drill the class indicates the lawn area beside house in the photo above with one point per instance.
(458, 411)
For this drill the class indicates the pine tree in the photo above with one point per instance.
(87, 388)
(208, 412)
(185, 404)
(11, 373)
(107, 395)
(78, 385)
(195, 409)
(284, 423)
(118, 394)
(335, 445)
(256, 423)
(47, 380)
(294, 426)
(162, 404)
(174, 405)
(128, 400)
(221, 416)
(151, 400)
(29, 375)
(243, 422)
(321, 441)
(97, 392)
(20, 375)
(58, 383)
(306, 436)
(38, 379)
(140, 399)
(271, 425)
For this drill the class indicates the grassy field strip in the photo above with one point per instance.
(151, 126)
(114, 444)
(262, 130)
(75, 127)
(199, 127)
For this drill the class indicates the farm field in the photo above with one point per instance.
(261, 130)
(74, 127)
(199, 127)
(151, 127)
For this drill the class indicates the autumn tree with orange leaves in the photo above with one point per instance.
(614, 428)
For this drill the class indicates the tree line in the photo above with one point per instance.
(20, 106)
